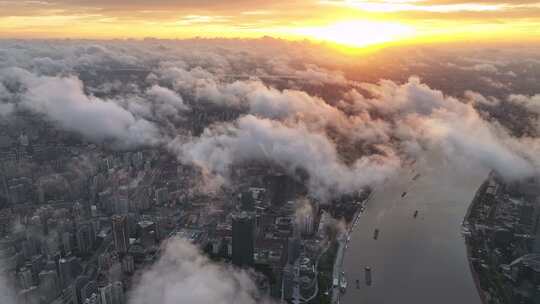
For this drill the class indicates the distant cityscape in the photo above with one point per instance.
(78, 221)
(502, 230)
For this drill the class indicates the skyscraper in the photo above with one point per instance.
(112, 293)
(25, 278)
(128, 264)
(246, 201)
(49, 284)
(120, 233)
(121, 205)
(106, 295)
(162, 195)
(147, 233)
(118, 293)
(69, 269)
(85, 238)
(242, 240)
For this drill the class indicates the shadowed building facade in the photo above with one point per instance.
(242, 240)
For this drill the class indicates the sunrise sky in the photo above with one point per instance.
(347, 22)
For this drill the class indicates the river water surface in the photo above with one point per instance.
(415, 260)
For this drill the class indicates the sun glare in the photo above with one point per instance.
(359, 33)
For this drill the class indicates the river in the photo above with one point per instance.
(419, 260)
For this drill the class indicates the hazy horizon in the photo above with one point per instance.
(356, 23)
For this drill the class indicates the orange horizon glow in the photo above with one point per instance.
(348, 23)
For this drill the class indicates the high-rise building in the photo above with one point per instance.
(162, 195)
(112, 293)
(23, 140)
(29, 296)
(118, 293)
(78, 210)
(85, 238)
(120, 233)
(128, 264)
(68, 268)
(105, 293)
(242, 239)
(121, 205)
(29, 247)
(66, 242)
(49, 285)
(93, 299)
(78, 286)
(36, 264)
(25, 278)
(66, 297)
(147, 233)
(89, 289)
(280, 188)
(16, 193)
(304, 223)
(293, 249)
(50, 246)
(138, 160)
(247, 203)
(93, 211)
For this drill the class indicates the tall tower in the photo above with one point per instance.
(67, 269)
(120, 233)
(85, 238)
(106, 294)
(242, 240)
(118, 293)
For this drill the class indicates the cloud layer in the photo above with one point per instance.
(63, 101)
(292, 148)
(183, 275)
(294, 112)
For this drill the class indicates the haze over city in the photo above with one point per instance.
(345, 151)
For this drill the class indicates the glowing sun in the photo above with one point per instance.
(358, 33)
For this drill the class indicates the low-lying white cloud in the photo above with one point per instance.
(62, 101)
(292, 148)
(183, 275)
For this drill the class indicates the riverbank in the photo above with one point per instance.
(468, 244)
(338, 274)
(499, 230)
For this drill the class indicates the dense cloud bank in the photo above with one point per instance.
(296, 110)
(283, 104)
(291, 147)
